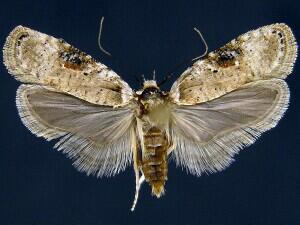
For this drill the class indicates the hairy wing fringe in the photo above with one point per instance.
(217, 154)
(89, 157)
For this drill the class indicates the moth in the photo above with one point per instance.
(219, 105)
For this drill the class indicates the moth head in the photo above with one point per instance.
(150, 90)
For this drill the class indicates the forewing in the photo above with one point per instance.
(34, 57)
(266, 53)
(208, 135)
(97, 138)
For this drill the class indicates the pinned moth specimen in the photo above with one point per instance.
(219, 105)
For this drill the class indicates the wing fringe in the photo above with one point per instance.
(287, 64)
(217, 154)
(88, 157)
(30, 121)
(13, 41)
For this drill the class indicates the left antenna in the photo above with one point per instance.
(99, 38)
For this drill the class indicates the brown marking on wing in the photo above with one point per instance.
(73, 58)
(265, 53)
(34, 57)
(226, 56)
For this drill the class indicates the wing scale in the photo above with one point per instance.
(34, 57)
(97, 138)
(209, 134)
(261, 54)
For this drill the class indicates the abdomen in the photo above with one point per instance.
(154, 159)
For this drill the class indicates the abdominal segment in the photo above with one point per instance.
(154, 159)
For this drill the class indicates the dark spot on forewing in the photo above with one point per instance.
(226, 56)
(72, 66)
(73, 58)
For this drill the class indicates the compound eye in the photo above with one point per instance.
(146, 94)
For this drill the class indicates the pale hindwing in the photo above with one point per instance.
(34, 57)
(208, 135)
(264, 53)
(97, 138)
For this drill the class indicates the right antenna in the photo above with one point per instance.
(99, 38)
(204, 42)
(170, 74)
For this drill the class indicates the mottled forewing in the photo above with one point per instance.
(208, 135)
(97, 138)
(34, 57)
(265, 53)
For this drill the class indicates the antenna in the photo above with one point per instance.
(99, 37)
(153, 75)
(170, 74)
(143, 78)
(204, 42)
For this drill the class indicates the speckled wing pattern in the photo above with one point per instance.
(34, 57)
(224, 101)
(70, 96)
(219, 105)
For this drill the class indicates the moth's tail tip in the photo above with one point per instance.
(158, 190)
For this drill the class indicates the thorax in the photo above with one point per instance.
(154, 113)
